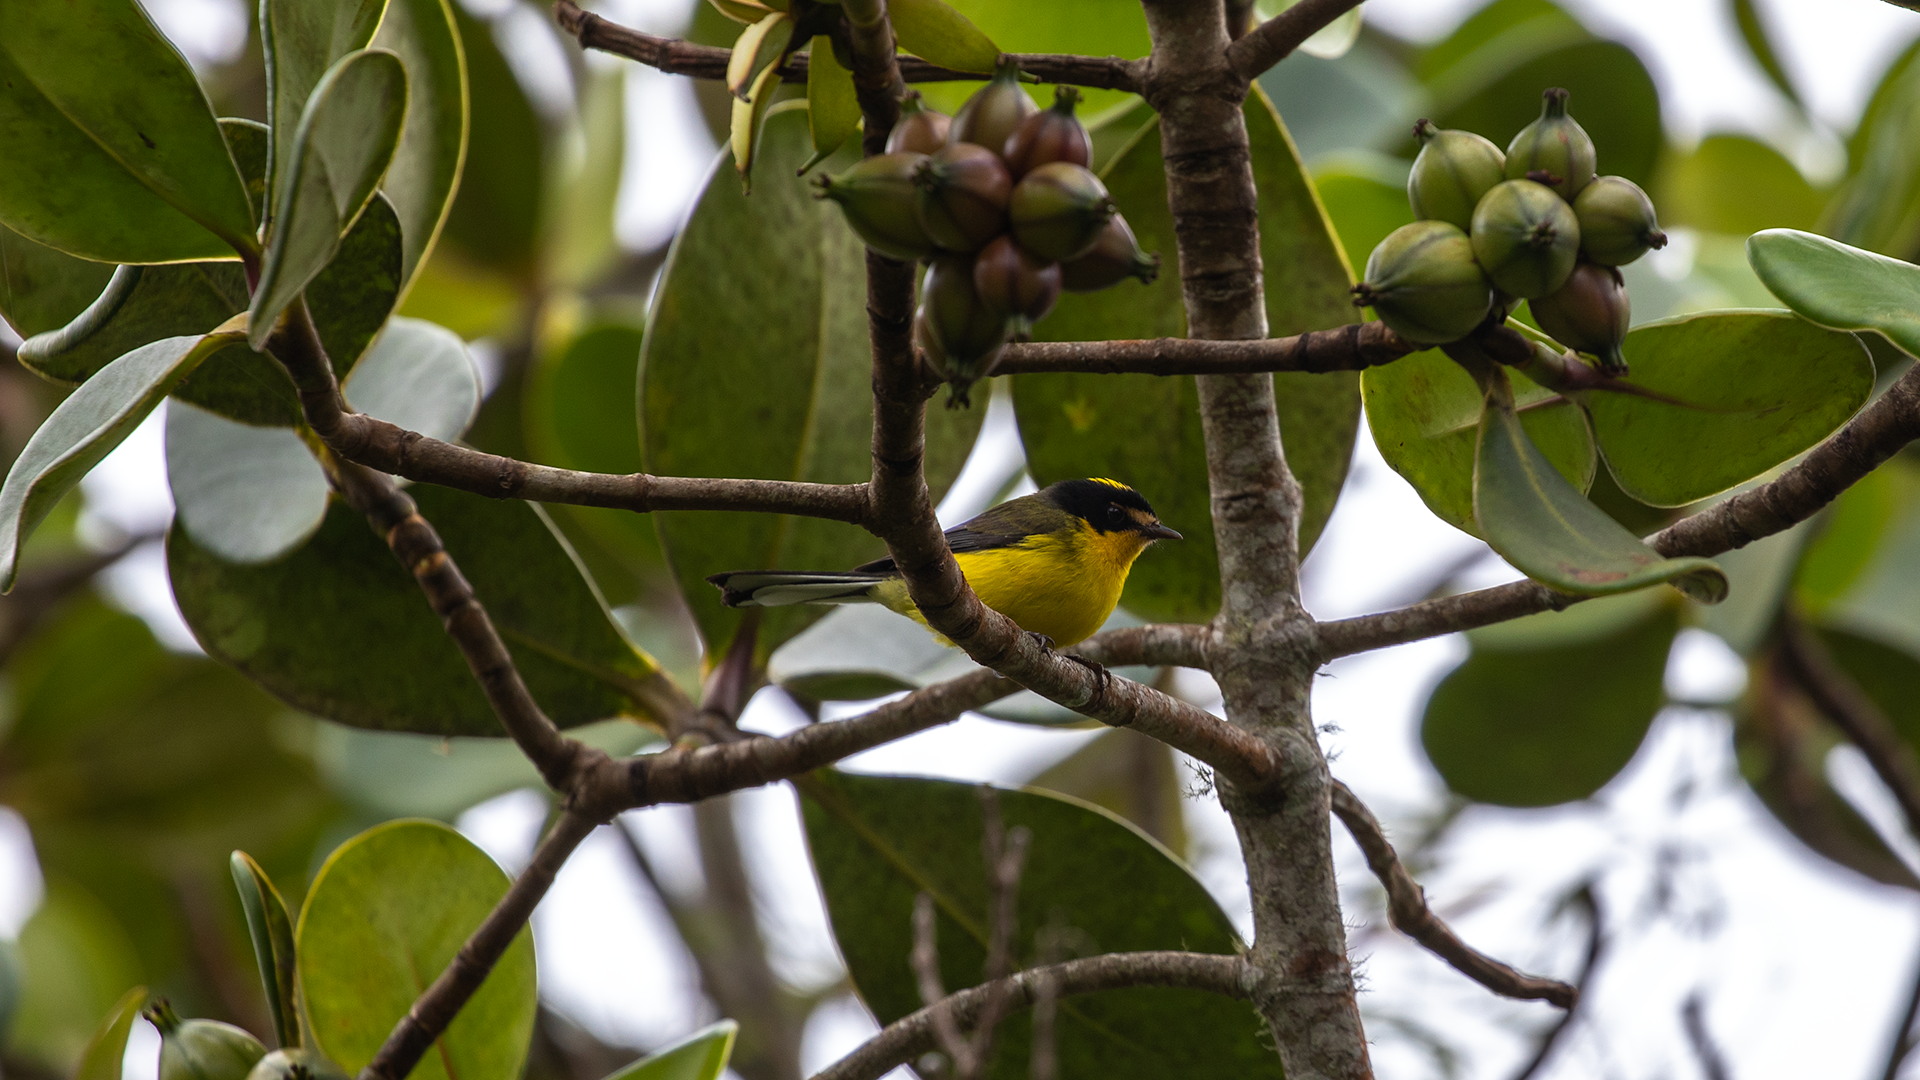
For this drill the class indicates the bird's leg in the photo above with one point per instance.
(1102, 677)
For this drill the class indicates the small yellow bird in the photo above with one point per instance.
(1054, 562)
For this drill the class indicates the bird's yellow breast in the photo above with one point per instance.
(1063, 585)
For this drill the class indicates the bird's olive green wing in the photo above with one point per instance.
(1002, 526)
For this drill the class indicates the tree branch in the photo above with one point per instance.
(1354, 347)
(1272, 41)
(678, 57)
(435, 1009)
(1841, 700)
(689, 774)
(1408, 911)
(907, 1038)
(1875, 434)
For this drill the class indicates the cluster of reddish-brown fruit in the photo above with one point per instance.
(1531, 224)
(999, 202)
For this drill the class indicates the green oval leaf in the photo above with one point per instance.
(1758, 388)
(347, 137)
(271, 932)
(419, 376)
(879, 841)
(426, 168)
(1504, 728)
(1145, 430)
(337, 628)
(938, 34)
(1424, 413)
(1843, 287)
(1550, 532)
(702, 1055)
(85, 428)
(1876, 207)
(1362, 205)
(42, 289)
(1735, 184)
(112, 150)
(301, 40)
(757, 364)
(386, 914)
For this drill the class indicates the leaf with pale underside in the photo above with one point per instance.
(387, 913)
(112, 151)
(1424, 413)
(250, 494)
(935, 32)
(346, 139)
(1548, 530)
(85, 428)
(1739, 392)
(1834, 285)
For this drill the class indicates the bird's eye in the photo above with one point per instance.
(1116, 514)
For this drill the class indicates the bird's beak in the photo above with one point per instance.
(1158, 531)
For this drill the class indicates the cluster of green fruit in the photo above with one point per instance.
(211, 1050)
(999, 202)
(1532, 224)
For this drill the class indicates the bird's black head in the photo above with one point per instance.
(1108, 506)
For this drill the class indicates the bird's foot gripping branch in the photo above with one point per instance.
(260, 268)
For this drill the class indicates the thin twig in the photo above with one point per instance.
(1713, 1063)
(41, 589)
(907, 1038)
(1004, 852)
(1903, 1041)
(1354, 347)
(925, 960)
(1272, 41)
(1408, 911)
(436, 1008)
(678, 57)
(1875, 434)
(1584, 899)
(1841, 700)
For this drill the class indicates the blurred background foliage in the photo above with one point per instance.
(136, 778)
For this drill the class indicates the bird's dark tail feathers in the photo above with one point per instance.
(778, 588)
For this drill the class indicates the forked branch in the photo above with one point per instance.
(1274, 40)
(1875, 434)
(1408, 911)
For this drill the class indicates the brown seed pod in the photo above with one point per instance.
(1589, 313)
(1015, 283)
(995, 111)
(960, 332)
(1050, 135)
(962, 196)
(1058, 210)
(919, 130)
(877, 196)
(1115, 257)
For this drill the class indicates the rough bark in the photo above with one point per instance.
(1261, 648)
